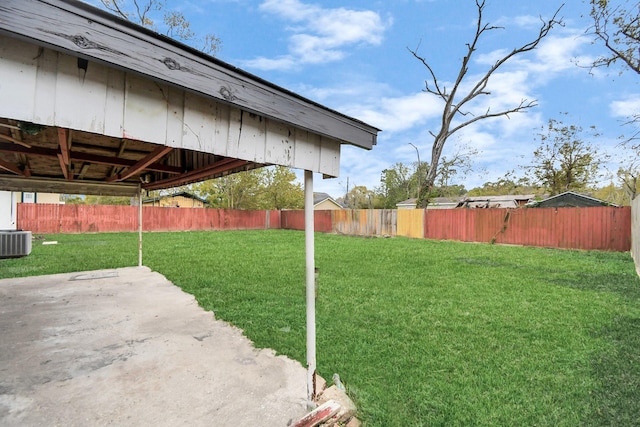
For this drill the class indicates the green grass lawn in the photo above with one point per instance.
(421, 332)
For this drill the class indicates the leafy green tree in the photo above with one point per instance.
(396, 184)
(449, 191)
(148, 12)
(629, 176)
(281, 191)
(107, 200)
(265, 188)
(458, 164)
(612, 193)
(71, 199)
(564, 161)
(401, 182)
(237, 191)
(506, 185)
(359, 197)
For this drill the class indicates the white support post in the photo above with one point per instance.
(310, 286)
(139, 226)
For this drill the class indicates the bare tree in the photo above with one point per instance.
(617, 25)
(455, 103)
(177, 26)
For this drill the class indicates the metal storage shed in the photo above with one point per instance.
(94, 104)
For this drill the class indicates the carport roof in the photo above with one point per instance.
(60, 155)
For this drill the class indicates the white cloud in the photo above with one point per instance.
(320, 34)
(626, 107)
(554, 55)
(522, 21)
(399, 113)
(268, 64)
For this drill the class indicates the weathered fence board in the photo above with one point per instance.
(599, 228)
(294, 220)
(410, 223)
(54, 218)
(369, 222)
(44, 218)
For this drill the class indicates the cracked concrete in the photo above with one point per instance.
(127, 347)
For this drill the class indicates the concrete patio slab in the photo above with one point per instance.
(127, 347)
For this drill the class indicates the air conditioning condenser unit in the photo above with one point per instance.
(14, 243)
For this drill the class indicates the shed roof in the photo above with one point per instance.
(570, 199)
(99, 105)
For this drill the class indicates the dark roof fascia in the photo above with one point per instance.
(83, 30)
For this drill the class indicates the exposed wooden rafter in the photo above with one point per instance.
(14, 140)
(64, 142)
(83, 170)
(86, 157)
(22, 159)
(141, 165)
(123, 144)
(65, 168)
(11, 168)
(198, 174)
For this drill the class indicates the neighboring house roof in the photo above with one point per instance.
(321, 197)
(407, 203)
(181, 193)
(435, 203)
(570, 199)
(508, 201)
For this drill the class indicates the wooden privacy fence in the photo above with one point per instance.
(599, 228)
(43, 218)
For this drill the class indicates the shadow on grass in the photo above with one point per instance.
(623, 284)
(615, 402)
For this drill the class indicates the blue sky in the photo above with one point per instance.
(353, 56)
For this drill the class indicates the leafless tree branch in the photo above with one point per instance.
(455, 106)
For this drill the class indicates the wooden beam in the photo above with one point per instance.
(63, 142)
(83, 170)
(142, 164)
(11, 168)
(86, 157)
(14, 140)
(64, 139)
(65, 168)
(113, 170)
(51, 185)
(197, 174)
(123, 145)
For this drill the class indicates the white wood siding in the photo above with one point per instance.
(46, 87)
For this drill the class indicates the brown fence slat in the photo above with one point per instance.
(599, 228)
